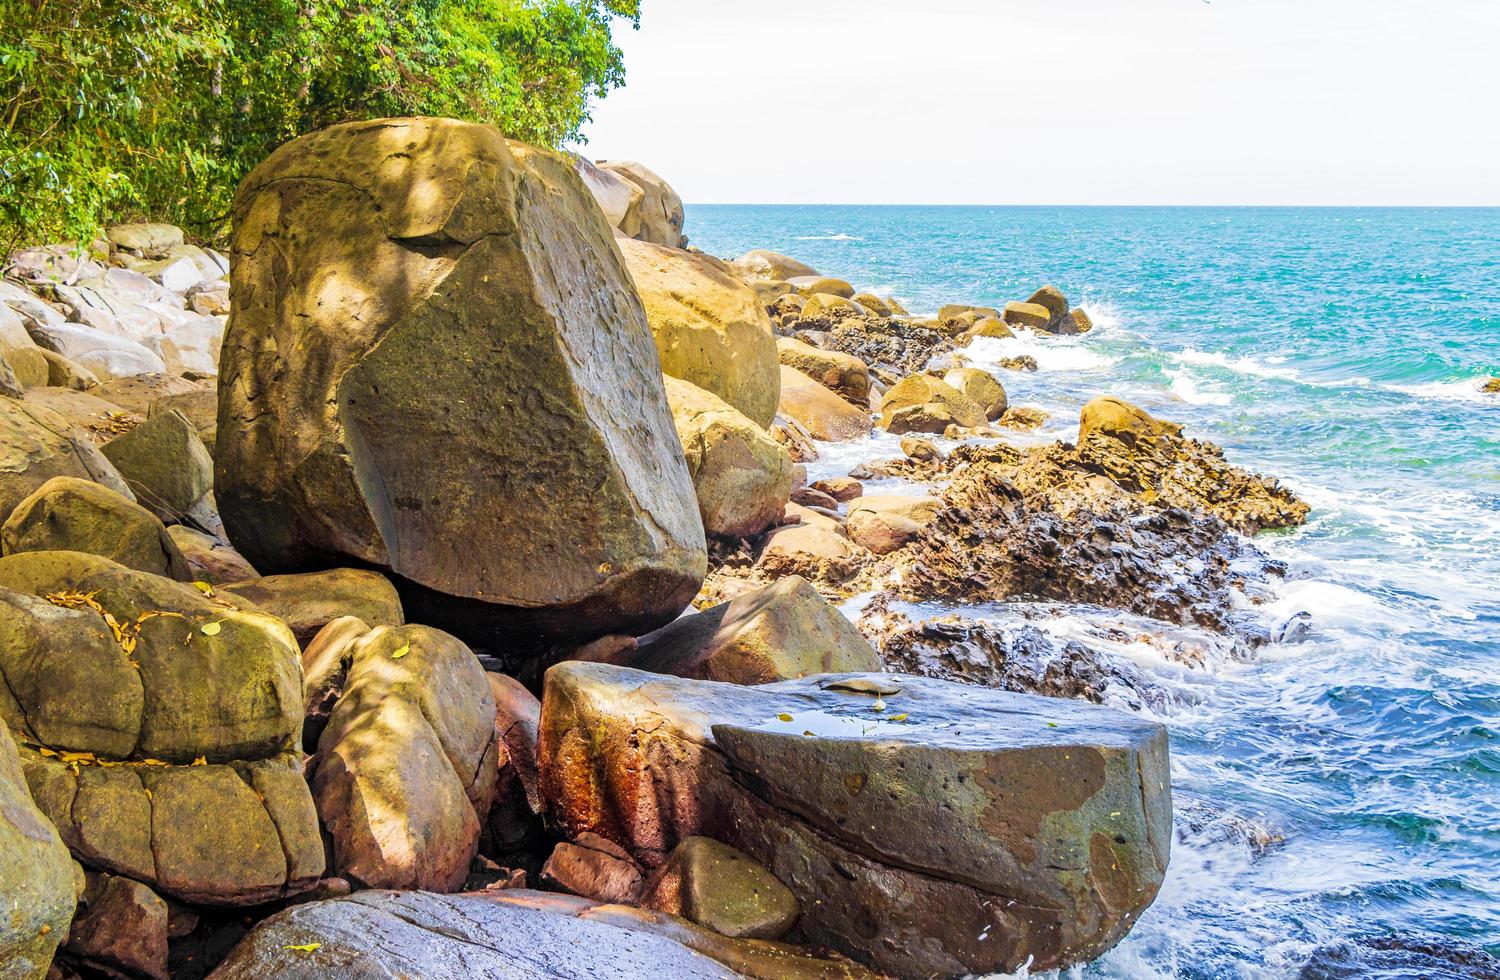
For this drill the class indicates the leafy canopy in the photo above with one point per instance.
(157, 108)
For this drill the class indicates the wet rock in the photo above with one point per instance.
(309, 601)
(710, 329)
(741, 475)
(167, 466)
(723, 889)
(834, 370)
(884, 523)
(1023, 418)
(505, 933)
(69, 514)
(37, 444)
(922, 403)
(1491, 387)
(921, 450)
(121, 928)
(1075, 322)
(1060, 810)
(406, 767)
(594, 868)
(492, 430)
(894, 346)
(36, 874)
(1024, 362)
(159, 728)
(782, 631)
(761, 263)
(822, 413)
(1401, 956)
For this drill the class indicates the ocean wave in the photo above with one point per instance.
(1264, 367)
(1051, 353)
(840, 237)
(1184, 386)
(1465, 390)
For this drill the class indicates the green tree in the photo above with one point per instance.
(112, 109)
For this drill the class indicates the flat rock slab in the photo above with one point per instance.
(511, 935)
(925, 827)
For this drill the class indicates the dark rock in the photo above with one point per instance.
(121, 927)
(595, 868)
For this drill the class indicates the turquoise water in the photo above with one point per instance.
(1341, 350)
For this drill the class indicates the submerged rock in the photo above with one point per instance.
(437, 365)
(925, 827)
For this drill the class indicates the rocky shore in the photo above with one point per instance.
(431, 584)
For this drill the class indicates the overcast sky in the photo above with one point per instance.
(1063, 101)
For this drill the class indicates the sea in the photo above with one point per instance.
(1341, 350)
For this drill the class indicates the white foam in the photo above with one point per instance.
(840, 237)
(1185, 387)
(1467, 390)
(1052, 353)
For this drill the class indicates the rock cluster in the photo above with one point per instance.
(271, 647)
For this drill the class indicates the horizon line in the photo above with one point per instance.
(926, 204)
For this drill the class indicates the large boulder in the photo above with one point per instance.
(514, 934)
(982, 389)
(710, 329)
(822, 413)
(406, 767)
(106, 355)
(437, 366)
(36, 876)
(311, 600)
(926, 827)
(923, 403)
(37, 444)
(658, 215)
(158, 727)
(69, 514)
(834, 370)
(762, 263)
(741, 475)
(167, 466)
(783, 631)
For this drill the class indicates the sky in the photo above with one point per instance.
(1297, 102)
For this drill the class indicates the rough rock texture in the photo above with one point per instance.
(835, 370)
(69, 514)
(159, 728)
(1047, 524)
(310, 601)
(512, 934)
(658, 215)
(761, 263)
(121, 928)
(87, 412)
(826, 309)
(723, 889)
(167, 466)
(709, 327)
(925, 827)
(896, 347)
(741, 475)
(518, 796)
(36, 876)
(595, 868)
(885, 522)
(406, 767)
(457, 385)
(783, 631)
(820, 551)
(37, 444)
(824, 414)
(1032, 315)
(1052, 300)
(923, 403)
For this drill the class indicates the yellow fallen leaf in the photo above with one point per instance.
(204, 587)
(401, 651)
(211, 629)
(783, 717)
(900, 717)
(201, 761)
(305, 948)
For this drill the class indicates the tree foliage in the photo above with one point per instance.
(157, 108)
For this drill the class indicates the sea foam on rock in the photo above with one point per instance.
(456, 385)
